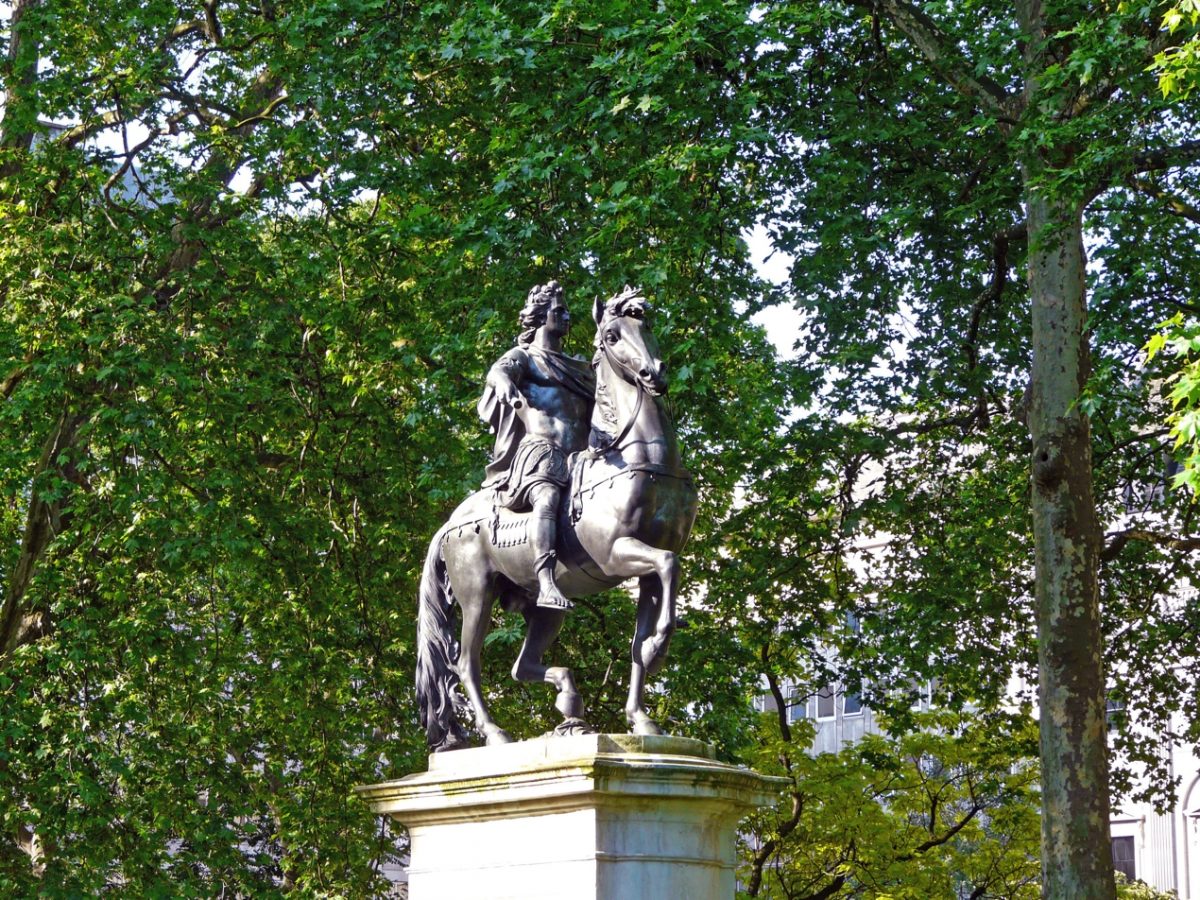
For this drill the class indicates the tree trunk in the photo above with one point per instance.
(1076, 848)
(19, 72)
(20, 624)
(1076, 844)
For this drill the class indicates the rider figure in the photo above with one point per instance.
(538, 401)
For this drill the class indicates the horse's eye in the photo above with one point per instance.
(611, 337)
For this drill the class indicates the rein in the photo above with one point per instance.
(615, 443)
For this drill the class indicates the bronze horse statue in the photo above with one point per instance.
(627, 513)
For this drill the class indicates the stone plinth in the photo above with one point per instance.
(603, 816)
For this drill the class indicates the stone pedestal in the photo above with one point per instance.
(587, 817)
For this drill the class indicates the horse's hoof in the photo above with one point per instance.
(640, 723)
(495, 736)
(570, 727)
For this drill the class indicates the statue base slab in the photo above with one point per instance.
(589, 817)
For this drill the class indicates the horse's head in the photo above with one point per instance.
(623, 337)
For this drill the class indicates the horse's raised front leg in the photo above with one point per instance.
(542, 627)
(476, 608)
(659, 577)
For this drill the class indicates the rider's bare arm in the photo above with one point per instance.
(505, 376)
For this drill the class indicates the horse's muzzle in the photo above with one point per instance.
(654, 379)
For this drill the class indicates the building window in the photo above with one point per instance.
(921, 693)
(1114, 713)
(853, 624)
(852, 704)
(797, 705)
(826, 702)
(1123, 852)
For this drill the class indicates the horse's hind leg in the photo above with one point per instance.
(476, 606)
(542, 626)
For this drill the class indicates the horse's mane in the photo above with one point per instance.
(604, 405)
(629, 302)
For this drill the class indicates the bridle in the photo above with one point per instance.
(654, 470)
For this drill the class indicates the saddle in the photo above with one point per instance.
(509, 529)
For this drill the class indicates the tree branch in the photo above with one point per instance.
(212, 25)
(992, 293)
(1162, 158)
(1157, 38)
(211, 28)
(937, 841)
(264, 113)
(964, 420)
(180, 31)
(264, 96)
(11, 380)
(945, 56)
(127, 164)
(19, 77)
(17, 624)
(830, 890)
(1118, 539)
(1129, 442)
(764, 853)
(72, 137)
(1173, 202)
(785, 730)
(200, 107)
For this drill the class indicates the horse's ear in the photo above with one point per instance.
(597, 309)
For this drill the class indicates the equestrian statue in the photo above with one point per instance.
(586, 489)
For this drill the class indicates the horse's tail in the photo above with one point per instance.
(437, 652)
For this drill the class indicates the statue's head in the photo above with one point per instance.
(537, 308)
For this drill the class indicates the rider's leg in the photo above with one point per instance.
(543, 535)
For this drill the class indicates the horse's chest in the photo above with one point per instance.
(641, 503)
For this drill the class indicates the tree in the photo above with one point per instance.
(1138, 890)
(249, 290)
(1178, 75)
(933, 151)
(947, 810)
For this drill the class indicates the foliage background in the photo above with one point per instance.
(247, 298)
